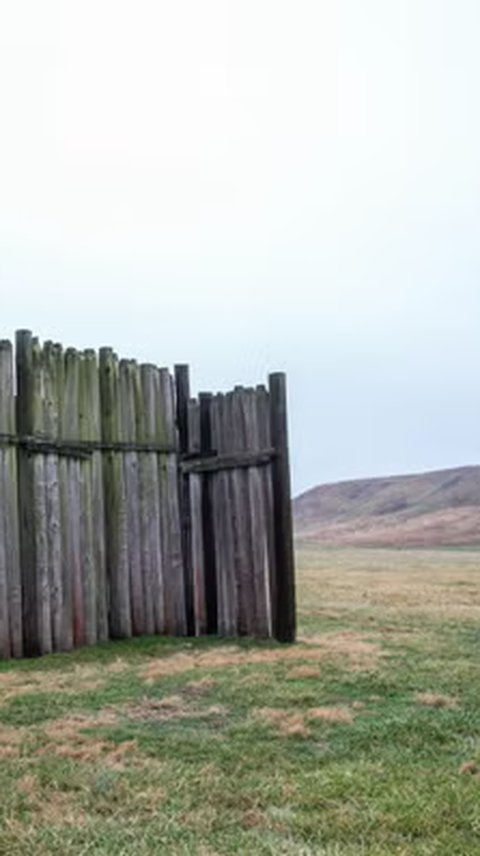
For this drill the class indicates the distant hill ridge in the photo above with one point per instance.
(438, 508)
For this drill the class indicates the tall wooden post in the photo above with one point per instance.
(284, 611)
(205, 399)
(182, 383)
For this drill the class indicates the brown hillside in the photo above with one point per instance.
(430, 509)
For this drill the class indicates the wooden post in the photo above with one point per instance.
(52, 491)
(170, 509)
(182, 383)
(11, 589)
(205, 399)
(284, 611)
(120, 620)
(32, 498)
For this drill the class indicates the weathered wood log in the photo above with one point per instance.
(150, 504)
(120, 621)
(285, 626)
(208, 534)
(182, 385)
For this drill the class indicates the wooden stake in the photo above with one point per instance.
(182, 383)
(285, 620)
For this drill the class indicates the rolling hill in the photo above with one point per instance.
(438, 508)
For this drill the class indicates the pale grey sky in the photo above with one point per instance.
(256, 186)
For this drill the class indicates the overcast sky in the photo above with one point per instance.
(258, 185)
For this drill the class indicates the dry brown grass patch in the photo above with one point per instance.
(300, 672)
(286, 722)
(331, 714)
(356, 648)
(436, 700)
(51, 807)
(469, 768)
(253, 819)
(56, 809)
(200, 687)
(289, 722)
(67, 738)
(9, 752)
(79, 679)
(10, 736)
(172, 707)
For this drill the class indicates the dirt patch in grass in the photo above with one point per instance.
(359, 652)
(437, 700)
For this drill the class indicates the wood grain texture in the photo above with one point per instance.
(131, 476)
(150, 504)
(208, 525)
(172, 531)
(127, 507)
(257, 519)
(182, 386)
(11, 605)
(197, 548)
(120, 621)
(52, 494)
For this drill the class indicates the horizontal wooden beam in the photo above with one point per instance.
(237, 460)
(82, 448)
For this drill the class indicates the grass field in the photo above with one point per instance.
(364, 738)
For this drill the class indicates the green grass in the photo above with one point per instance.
(160, 746)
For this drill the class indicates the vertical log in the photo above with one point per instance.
(98, 594)
(5, 650)
(115, 500)
(150, 515)
(75, 522)
(10, 500)
(242, 527)
(208, 534)
(52, 489)
(88, 522)
(66, 541)
(285, 566)
(24, 373)
(182, 382)
(217, 519)
(64, 476)
(130, 468)
(175, 584)
(256, 517)
(32, 502)
(225, 561)
(195, 485)
(5, 491)
(145, 511)
(265, 441)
